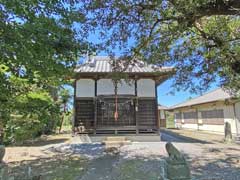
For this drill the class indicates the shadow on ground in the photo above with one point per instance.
(221, 168)
(116, 167)
(39, 143)
(167, 136)
(89, 150)
(57, 167)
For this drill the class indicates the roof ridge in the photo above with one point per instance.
(196, 97)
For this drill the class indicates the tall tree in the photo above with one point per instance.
(65, 98)
(199, 37)
(39, 46)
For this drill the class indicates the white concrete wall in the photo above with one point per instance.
(212, 128)
(106, 87)
(190, 126)
(228, 110)
(146, 88)
(126, 88)
(229, 117)
(85, 88)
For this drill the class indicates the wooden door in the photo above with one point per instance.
(106, 110)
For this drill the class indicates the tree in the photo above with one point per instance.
(65, 97)
(199, 37)
(39, 48)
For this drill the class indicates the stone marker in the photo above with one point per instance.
(228, 132)
(177, 167)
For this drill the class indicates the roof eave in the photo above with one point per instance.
(193, 105)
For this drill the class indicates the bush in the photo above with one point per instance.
(36, 114)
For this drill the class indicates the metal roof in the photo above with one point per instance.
(212, 96)
(101, 64)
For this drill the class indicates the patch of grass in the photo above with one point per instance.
(55, 168)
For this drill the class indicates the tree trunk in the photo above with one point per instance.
(64, 111)
(2, 147)
(1, 133)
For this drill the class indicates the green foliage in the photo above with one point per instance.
(39, 47)
(65, 96)
(170, 120)
(35, 114)
(199, 37)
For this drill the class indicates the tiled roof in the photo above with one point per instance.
(215, 95)
(100, 64)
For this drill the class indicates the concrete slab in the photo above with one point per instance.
(133, 138)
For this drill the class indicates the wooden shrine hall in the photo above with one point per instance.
(131, 108)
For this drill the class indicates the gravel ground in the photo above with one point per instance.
(209, 159)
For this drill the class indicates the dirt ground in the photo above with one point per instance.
(64, 157)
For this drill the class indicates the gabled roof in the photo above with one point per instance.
(101, 64)
(212, 96)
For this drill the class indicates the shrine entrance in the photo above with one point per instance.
(106, 109)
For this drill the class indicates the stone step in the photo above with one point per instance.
(116, 143)
(116, 138)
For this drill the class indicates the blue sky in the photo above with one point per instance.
(164, 96)
(167, 99)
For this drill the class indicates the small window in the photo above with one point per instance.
(190, 117)
(178, 117)
(214, 117)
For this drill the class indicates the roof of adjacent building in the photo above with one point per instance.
(101, 64)
(162, 107)
(212, 96)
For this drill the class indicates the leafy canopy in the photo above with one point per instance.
(199, 37)
(39, 47)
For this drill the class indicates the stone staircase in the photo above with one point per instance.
(116, 141)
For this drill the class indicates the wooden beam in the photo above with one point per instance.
(197, 119)
(157, 114)
(74, 106)
(95, 107)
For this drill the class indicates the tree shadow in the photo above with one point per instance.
(57, 167)
(89, 150)
(206, 168)
(44, 142)
(168, 136)
(118, 167)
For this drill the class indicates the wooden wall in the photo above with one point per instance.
(137, 104)
(144, 119)
(84, 113)
(146, 114)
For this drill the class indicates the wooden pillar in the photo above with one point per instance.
(95, 107)
(197, 119)
(156, 105)
(74, 107)
(136, 108)
(182, 118)
(236, 119)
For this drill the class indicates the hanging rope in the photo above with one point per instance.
(116, 102)
(116, 108)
